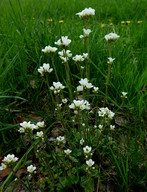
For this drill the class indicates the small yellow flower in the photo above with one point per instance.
(128, 22)
(61, 21)
(50, 20)
(102, 25)
(122, 22)
(110, 24)
(139, 22)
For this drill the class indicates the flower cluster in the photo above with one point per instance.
(78, 58)
(105, 112)
(86, 13)
(86, 33)
(111, 37)
(45, 69)
(27, 127)
(8, 161)
(79, 105)
(59, 106)
(49, 49)
(64, 41)
(57, 87)
(84, 84)
(65, 55)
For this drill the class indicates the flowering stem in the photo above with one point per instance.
(88, 51)
(108, 75)
(68, 78)
(88, 61)
(52, 58)
(28, 188)
(46, 81)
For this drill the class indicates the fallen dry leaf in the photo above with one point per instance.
(119, 120)
(7, 171)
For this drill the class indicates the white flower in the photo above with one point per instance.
(57, 87)
(31, 169)
(64, 41)
(78, 58)
(64, 100)
(82, 141)
(67, 151)
(65, 55)
(95, 89)
(85, 83)
(59, 43)
(95, 126)
(112, 127)
(60, 140)
(59, 106)
(87, 149)
(64, 59)
(39, 135)
(90, 162)
(100, 126)
(110, 114)
(40, 125)
(45, 69)
(86, 105)
(21, 130)
(10, 159)
(105, 112)
(80, 105)
(86, 33)
(81, 36)
(27, 127)
(87, 12)
(85, 55)
(80, 88)
(3, 166)
(124, 95)
(110, 60)
(111, 37)
(83, 124)
(49, 49)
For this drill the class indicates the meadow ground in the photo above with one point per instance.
(119, 156)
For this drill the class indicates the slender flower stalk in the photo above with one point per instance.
(52, 58)
(68, 74)
(108, 74)
(110, 38)
(86, 14)
(48, 86)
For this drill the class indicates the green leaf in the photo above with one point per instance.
(74, 159)
(87, 184)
